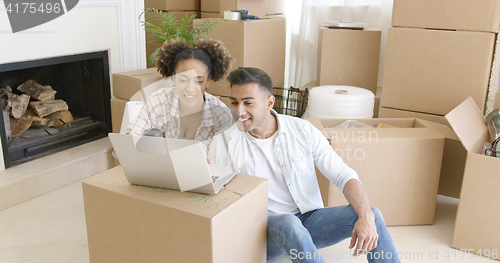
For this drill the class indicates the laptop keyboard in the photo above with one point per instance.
(214, 178)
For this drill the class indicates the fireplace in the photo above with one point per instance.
(83, 82)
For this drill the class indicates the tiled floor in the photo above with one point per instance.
(51, 228)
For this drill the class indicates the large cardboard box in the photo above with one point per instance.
(349, 57)
(399, 167)
(433, 71)
(452, 167)
(481, 15)
(476, 224)
(152, 46)
(173, 5)
(254, 7)
(257, 43)
(127, 84)
(129, 223)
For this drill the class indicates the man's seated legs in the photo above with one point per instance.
(325, 227)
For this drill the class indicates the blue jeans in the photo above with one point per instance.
(301, 235)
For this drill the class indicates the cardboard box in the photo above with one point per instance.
(476, 224)
(152, 46)
(447, 14)
(376, 105)
(129, 223)
(254, 43)
(433, 71)
(349, 57)
(399, 167)
(452, 167)
(127, 84)
(275, 7)
(173, 5)
(254, 7)
(211, 15)
(117, 109)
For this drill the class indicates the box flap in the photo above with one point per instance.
(469, 124)
(497, 101)
(444, 130)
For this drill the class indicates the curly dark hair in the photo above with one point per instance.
(210, 52)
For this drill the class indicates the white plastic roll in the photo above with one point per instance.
(232, 15)
(335, 101)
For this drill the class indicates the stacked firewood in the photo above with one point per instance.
(36, 106)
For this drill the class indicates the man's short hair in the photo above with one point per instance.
(245, 75)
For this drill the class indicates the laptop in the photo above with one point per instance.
(176, 164)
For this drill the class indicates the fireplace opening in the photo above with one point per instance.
(82, 81)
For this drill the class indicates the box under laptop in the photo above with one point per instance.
(176, 164)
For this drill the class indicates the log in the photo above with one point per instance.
(37, 120)
(18, 126)
(37, 91)
(44, 108)
(17, 104)
(57, 119)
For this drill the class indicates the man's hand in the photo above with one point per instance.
(364, 235)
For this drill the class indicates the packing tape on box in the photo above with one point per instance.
(336, 101)
(232, 15)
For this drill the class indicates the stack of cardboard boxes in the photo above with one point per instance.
(127, 86)
(438, 54)
(177, 8)
(348, 57)
(257, 43)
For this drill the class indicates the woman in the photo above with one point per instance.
(186, 111)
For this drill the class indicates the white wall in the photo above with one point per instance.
(91, 26)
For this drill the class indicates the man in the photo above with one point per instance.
(284, 150)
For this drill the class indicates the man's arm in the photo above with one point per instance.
(365, 230)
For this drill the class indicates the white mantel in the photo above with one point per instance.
(93, 25)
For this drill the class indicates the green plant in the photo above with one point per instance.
(164, 26)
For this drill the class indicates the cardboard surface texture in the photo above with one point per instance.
(476, 223)
(349, 57)
(432, 71)
(172, 5)
(127, 84)
(253, 43)
(447, 14)
(129, 223)
(399, 167)
(117, 109)
(254, 7)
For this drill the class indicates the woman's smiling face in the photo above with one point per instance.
(191, 81)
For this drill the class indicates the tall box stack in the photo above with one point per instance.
(177, 8)
(253, 43)
(439, 53)
(216, 8)
(348, 57)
